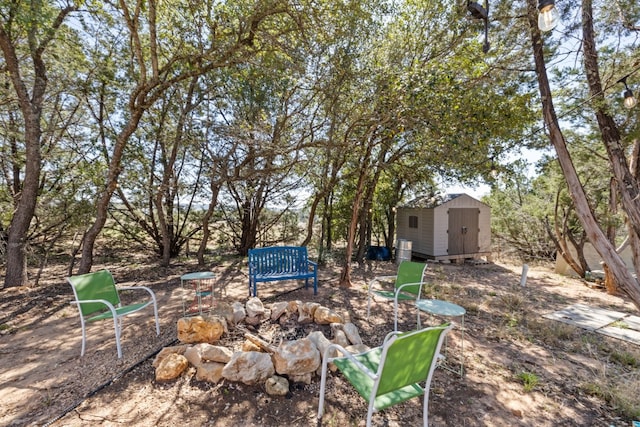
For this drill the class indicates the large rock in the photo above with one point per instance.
(248, 367)
(340, 338)
(176, 349)
(171, 367)
(306, 312)
(357, 348)
(277, 386)
(204, 352)
(352, 333)
(255, 307)
(292, 309)
(321, 342)
(199, 329)
(278, 309)
(256, 312)
(325, 316)
(296, 357)
(239, 313)
(210, 372)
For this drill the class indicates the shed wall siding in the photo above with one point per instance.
(422, 237)
(484, 236)
(426, 232)
(441, 225)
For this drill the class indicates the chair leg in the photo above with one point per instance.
(370, 411)
(155, 313)
(425, 410)
(116, 326)
(323, 383)
(395, 315)
(84, 335)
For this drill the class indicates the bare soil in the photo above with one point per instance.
(520, 369)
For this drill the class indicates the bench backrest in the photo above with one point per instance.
(278, 259)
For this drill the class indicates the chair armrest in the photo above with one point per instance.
(379, 279)
(313, 264)
(133, 288)
(391, 335)
(87, 301)
(102, 301)
(347, 355)
(383, 278)
(411, 284)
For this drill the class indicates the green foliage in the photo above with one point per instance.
(529, 381)
(626, 358)
(276, 106)
(518, 213)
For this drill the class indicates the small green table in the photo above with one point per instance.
(202, 285)
(446, 309)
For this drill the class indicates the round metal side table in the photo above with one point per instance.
(446, 309)
(201, 283)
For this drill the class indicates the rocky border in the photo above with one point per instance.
(259, 360)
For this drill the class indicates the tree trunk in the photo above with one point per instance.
(31, 110)
(609, 280)
(563, 250)
(312, 214)
(345, 275)
(215, 190)
(102, 206)
(627, 184)
(594, 233)
(633, 238)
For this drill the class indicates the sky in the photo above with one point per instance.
(476, 193)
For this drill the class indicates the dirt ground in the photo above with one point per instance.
(520, 369)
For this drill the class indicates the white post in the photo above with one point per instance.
(523, 278)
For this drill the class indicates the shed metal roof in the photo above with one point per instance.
(431, 201)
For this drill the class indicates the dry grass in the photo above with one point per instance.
(616, 381)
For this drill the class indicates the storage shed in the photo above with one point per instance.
(446, 227)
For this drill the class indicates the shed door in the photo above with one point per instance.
(463, 231)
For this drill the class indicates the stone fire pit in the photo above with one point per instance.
(254, 344)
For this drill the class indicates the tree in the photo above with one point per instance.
(217, 36)
(38, 23)
(165, 174)
(596, 236)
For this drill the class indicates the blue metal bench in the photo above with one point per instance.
(281, 263)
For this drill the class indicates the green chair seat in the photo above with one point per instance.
(365, 384)
(120, 311)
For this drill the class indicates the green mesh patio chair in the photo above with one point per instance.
(97, 299)
(399, 370)
(407, 285)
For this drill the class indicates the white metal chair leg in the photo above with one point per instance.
(323, 383)
(84, 335)
(117, 328)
